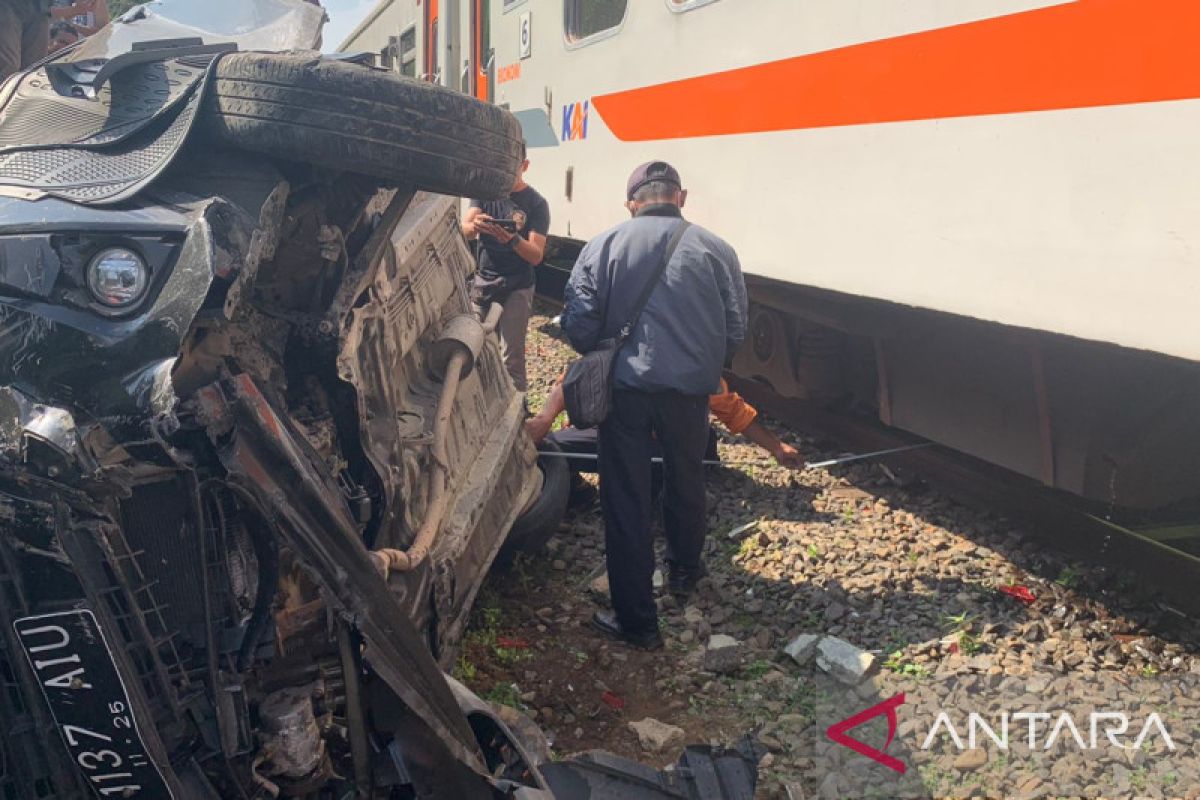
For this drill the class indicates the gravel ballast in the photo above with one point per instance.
(909, 581)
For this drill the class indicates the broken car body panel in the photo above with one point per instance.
(200, 484)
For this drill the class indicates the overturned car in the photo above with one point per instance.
(257, 449)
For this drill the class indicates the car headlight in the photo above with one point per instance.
(117, 277)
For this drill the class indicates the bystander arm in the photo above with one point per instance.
(580, 445)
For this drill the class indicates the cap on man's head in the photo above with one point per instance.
(651, 172)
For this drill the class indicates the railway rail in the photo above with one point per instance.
(1153, 551)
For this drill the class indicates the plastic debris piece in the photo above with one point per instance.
(511, 643)
(1022, 593)
(613, 700)
(739, 530)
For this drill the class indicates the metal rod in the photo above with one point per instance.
(847, 459)
(717, 463)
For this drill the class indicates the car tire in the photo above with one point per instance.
(353, 118)
(540, 520)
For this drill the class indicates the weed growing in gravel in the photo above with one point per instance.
(698, 706)
(505, 694)
(898, 664)
(955, 621)
(756, 669)
(934, 776)
(507, 656)
(914, 671)
(813, 552)
(743, 620)
(487, 627)
(1068, 578)
(521, 570)
(968, 643)
(464, 670)
(802, 699)
(1149, 671)
(960, 626)
(746, 548)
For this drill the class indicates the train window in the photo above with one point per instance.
(687, 5)
(589, 19)
(408, 51)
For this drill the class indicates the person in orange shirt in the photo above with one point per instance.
(730, 409)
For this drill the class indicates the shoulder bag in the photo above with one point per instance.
(587, 386)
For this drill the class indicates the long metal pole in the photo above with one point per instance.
(807, 465)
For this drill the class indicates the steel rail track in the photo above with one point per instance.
(1056, 518)
(1061, 520)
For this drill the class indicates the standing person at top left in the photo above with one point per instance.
(512, 237)
(24, 34)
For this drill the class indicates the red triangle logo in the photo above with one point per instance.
(837, 732)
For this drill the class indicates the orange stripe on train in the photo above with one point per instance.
(1083, 54)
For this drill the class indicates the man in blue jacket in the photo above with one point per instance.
(692, 324)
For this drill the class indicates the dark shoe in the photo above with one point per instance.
(681, 581)
(606, 623)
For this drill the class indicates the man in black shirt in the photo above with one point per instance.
(512, 237)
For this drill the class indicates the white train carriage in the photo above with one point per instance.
(978, 219)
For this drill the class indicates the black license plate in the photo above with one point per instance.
(75, 668)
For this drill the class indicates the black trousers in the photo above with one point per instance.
(679, 423)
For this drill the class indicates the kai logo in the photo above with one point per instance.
(575, 121)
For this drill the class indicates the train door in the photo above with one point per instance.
(431, 68)
(480, 58)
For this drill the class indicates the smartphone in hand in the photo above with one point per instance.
(507, 224)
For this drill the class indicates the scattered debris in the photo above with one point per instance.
(971, 760)
(844, 661)
(511, 643)
(656, 736)
(613, 700)
(851, 493)
(723, 654)
(740, 529)
(803, 648)
(1021, 593)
